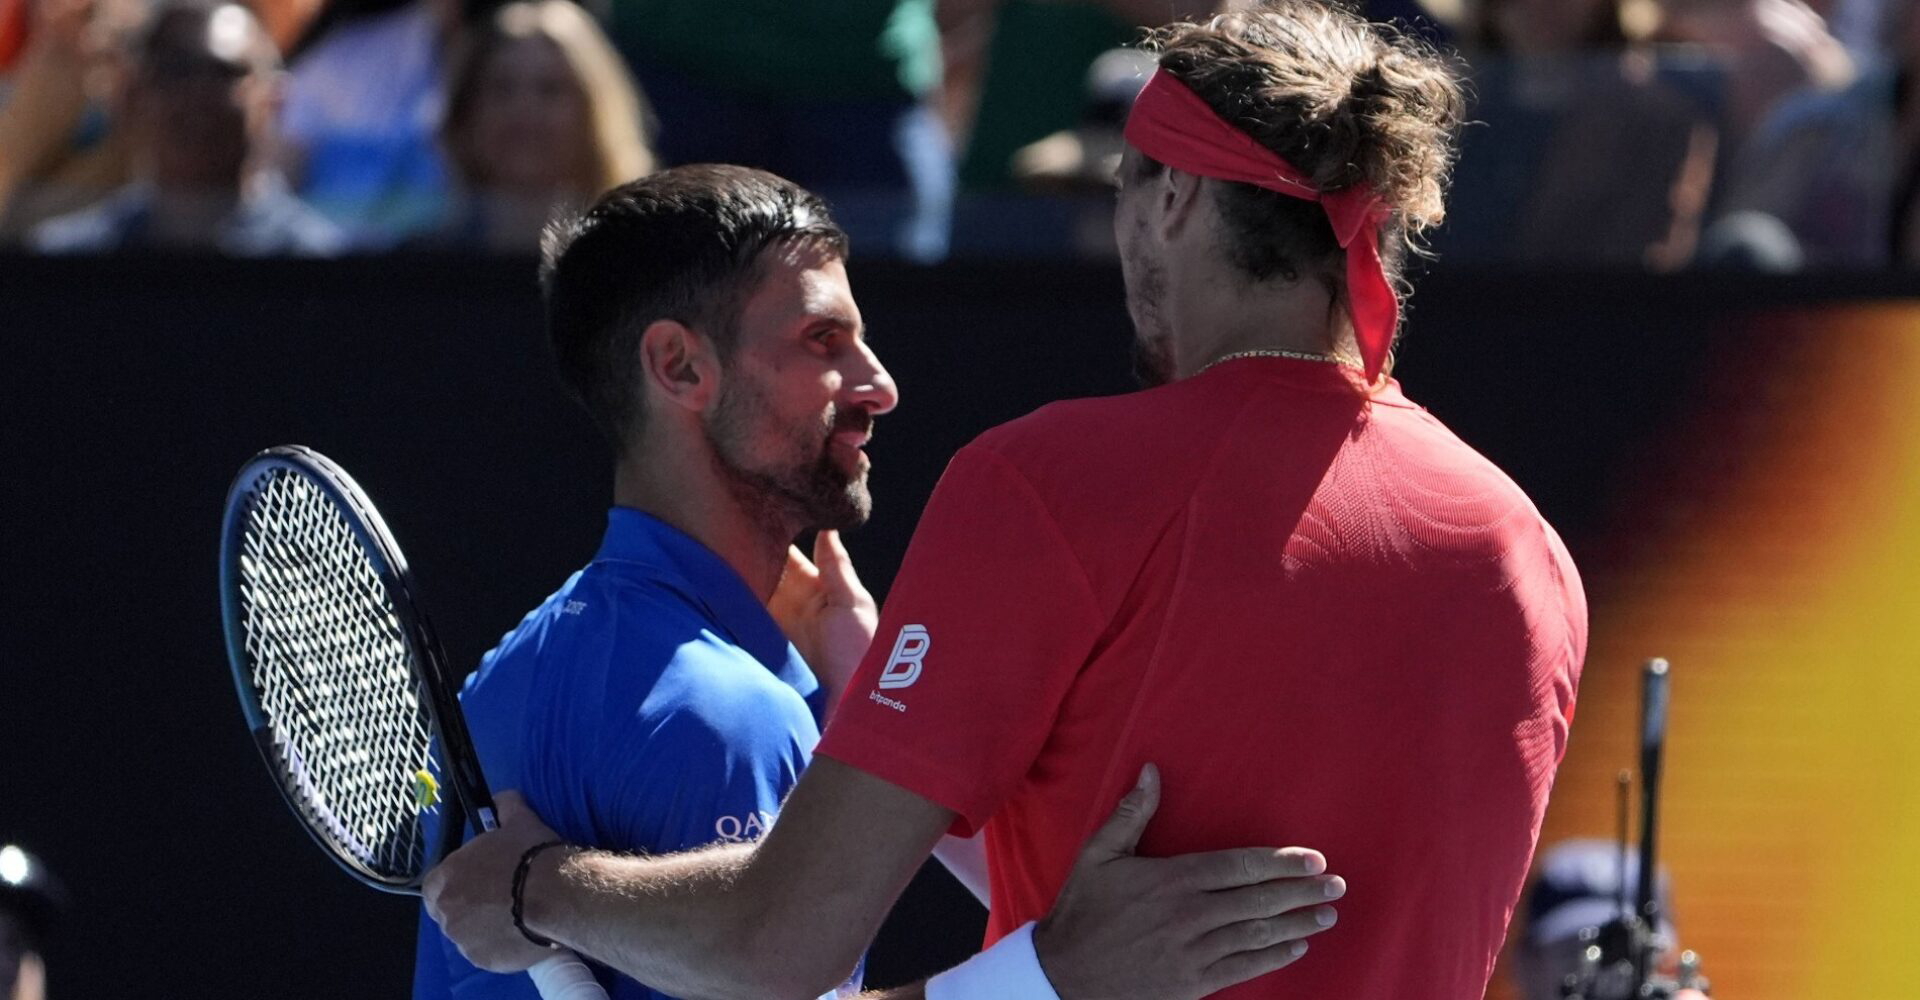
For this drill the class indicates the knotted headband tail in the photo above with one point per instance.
(1175, 126)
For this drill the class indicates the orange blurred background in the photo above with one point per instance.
(1770, 548)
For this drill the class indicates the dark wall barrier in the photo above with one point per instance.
(130, 391)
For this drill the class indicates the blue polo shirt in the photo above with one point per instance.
(651, 704)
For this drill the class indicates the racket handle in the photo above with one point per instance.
(565, 977)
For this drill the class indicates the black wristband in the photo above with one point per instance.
(520, 887)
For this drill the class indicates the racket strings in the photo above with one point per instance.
(330, 661)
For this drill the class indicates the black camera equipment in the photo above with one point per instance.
(1619, 959)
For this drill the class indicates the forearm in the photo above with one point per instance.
(786, 918)
(690, 925)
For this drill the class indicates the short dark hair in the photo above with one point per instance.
(684, 244)
(1344, 100)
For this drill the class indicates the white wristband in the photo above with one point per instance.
(1010, 970)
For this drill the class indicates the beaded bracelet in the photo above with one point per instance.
(520, 887)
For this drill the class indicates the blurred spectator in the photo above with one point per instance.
(30, 903)
(57, 150)
(966, 34)
(1771, 50)
(1862, 26)
(363, 108)
(1810, 136)
(541, 116)
(1068, 176)
(841, 96)
(1031, 80)
(1083, 159)
(1906, 213)
(1751, 241)
(197, 99)
(1591, 154)
(1432, 20)
(1823, 168)
(286, 21)
(1577, 886)
(1031, 87)
(13, 36)
(1549, 28)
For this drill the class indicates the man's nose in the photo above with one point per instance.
(872, 386)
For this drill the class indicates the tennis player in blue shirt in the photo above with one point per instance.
(662, 698)
(653, 703)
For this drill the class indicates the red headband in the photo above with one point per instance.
(1174, 126)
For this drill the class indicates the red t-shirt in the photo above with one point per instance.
(1328, 621)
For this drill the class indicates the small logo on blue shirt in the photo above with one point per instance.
(740, 829)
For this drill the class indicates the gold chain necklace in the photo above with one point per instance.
(1273, 353)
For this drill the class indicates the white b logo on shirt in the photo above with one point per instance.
(903, 667)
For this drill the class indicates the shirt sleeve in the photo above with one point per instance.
(985, 630)
(705, 771)
(706, 757)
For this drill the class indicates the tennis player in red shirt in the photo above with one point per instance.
(1325, 618)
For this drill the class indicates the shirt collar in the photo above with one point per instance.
(679, 561)
(1312, 376)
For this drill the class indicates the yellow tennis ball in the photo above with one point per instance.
(426, 790)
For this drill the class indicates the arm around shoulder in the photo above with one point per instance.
(786, 918)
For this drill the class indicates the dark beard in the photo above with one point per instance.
(1147, 288)
(809, 490)
(1152, 363)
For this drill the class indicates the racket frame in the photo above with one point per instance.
(459, 762)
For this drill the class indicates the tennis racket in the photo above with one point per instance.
(344, 685)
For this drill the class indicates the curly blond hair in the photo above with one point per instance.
(1344, 100)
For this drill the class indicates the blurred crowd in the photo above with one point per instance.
(1773, 135)
(31, 905)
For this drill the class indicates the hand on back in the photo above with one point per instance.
(1128, 927)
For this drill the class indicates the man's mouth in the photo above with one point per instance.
(852, 439)
(847, 440)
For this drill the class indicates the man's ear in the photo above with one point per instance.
(679, 364)
(1179, 194)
